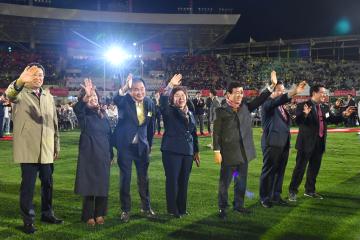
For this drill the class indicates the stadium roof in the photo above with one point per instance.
(22, 23)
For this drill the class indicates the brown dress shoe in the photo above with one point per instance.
(91, 222)
(100, 220)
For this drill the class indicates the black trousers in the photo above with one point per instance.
(208, 122)
(200, 120)
(239, 174)
(28, 178)
(158, 120)
(1, 124)
(177, 171)
(303, 158)
(272, 173)
(125, 160)
(93, 207)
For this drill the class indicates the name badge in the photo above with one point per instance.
(149, 114)
(327, 115)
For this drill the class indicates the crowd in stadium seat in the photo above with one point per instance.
(12, 63)
(207, 71)
(199, 72)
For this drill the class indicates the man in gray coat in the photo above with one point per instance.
(36, 142)
(233, 143)
(212, 103)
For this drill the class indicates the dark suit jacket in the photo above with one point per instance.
(180, 134)
(199, 106)
(232, 127)
(276, 129)
(309, 126)
(2, 110)
(128, 124)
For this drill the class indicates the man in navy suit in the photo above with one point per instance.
(275, 144)
(133, 137)
(312, 117)
(2, 107)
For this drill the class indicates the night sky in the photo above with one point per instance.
(270, 20)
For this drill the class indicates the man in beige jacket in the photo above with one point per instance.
(36, 141)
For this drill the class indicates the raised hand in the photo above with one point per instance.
(129, 80)
(307, 109)
(273, 78)
(88, 87)
(300, 87)
(349, 111)
(27, 76)
(176, 80)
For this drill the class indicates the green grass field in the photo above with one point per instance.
(335, 217)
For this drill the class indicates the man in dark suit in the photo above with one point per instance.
(156, 100)
(275, 144)
(351, 120)
(133, 137)
(233, 143)
(312, 117)
(2, 107)
(199, 105)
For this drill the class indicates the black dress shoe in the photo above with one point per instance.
(242, 210)
(175, 215)
(222, 214)
(125, 217)
(29, 228)
(281, 202)
(149, 213)
(266, 204)
(313, 195)
(51, 219)
(185, 214)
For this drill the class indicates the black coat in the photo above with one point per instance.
(180, 133)
(230, 128)
(199, 105)
(95, 153)
(309, 126)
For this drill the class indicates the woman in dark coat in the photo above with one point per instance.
(95, 155)
(179, 145)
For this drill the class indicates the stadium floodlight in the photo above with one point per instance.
(134, 44)
(115, 55)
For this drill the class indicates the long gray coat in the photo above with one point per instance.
(36, 134)
(95, 153)
(230, 125)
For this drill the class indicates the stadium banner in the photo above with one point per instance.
(251, 93)
(59, 92)
(339, 93)
(206, 93)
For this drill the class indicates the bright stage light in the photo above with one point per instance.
(115, 55)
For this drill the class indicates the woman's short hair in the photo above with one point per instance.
(82, 94)
(175, 90)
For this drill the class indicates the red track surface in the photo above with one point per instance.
(293, 131)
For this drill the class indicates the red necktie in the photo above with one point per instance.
(283, 112)
(37, 93)
(321, 122)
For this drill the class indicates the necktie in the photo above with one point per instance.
(37, 93)
(140, 113)
(283, 112)
(321, 122)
